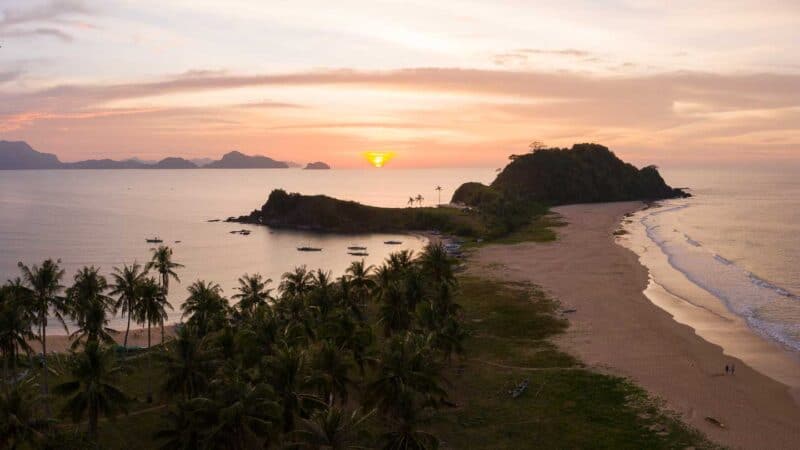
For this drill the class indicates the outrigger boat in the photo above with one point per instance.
(309, 249)
(392, 242)
(356, 247)
(154, 240)
(358, 253)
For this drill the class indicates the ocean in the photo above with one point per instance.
(732, 250)
(731, 253)
(102, 218)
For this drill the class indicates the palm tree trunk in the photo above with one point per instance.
(93, 422)
(43, 338)
(162, 332)
(127, 330)
(149, 365)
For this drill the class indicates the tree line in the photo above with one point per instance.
(319, 362)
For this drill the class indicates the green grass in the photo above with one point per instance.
(565, 406)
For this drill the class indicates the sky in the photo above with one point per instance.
(444, 83)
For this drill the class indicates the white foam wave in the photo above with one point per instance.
(742, 292)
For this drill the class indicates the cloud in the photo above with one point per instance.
(21, 22)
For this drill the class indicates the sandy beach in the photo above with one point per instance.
(136, 338)
(616, 329)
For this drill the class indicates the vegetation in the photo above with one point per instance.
(585, 173)
(323, 213)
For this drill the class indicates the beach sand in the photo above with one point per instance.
(616, 329)
(136, 338)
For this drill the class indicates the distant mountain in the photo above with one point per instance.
(105, 164)
(201, 162)
(319, 165)
(20, 155)
(238, 160)
(174, 163)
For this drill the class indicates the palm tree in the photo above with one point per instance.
(185, 428)
(88, 305)
(360, 279)
(152, 309)
(242, 416)
(438, 189)
(284, 372)
(411, 201)
(297, 283)
(163, 264)
(253, 292)
(331, 428)
(19, 425)
(330, 372)
(394, 314)
(15, 327)
(205, 306)
(185, 365)
(126, 287)
(419, 198)
(45, 284)
(92, 390)
(437, 264)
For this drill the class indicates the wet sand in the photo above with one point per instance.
(617, 329)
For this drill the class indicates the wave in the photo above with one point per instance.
(741, 291)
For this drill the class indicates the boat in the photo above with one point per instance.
(392, 242)
(358, 253)
(356, 247)
(244, 232)
(154, 240)
(309, 249)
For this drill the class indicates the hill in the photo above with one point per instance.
(175, 163)
(319, 165)
(323, 213)
(238, 160)
(18, 155)
(585, 173)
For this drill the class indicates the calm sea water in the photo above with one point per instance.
(102, 218)
(737, 239)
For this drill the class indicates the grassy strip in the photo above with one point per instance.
(565, 406)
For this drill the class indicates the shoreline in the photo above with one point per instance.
(619, 330)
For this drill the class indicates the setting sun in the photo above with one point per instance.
(379, 159)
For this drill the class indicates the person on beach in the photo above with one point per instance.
(733, 368)
(726, 369)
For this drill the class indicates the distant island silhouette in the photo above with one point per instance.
(18, 155)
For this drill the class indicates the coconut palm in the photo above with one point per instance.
(15, 327)
(438, 189)
(126, 287)
(284, 370)
(152, 309)
(184, 429)
(411, 201)
(419, 198)
(407, 378)
(185, 364)
(88, 306)
(437, 264)
(45, 284)
(253, 292)
(92, 390)
(163, 264)
(205, 306)
(361, 280)
(394, 314)
(297, 283)
(330, 369)
(331, 428)
(19, 425)
(401, 261)
(242, 415)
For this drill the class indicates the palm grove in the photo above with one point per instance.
(320, 362)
